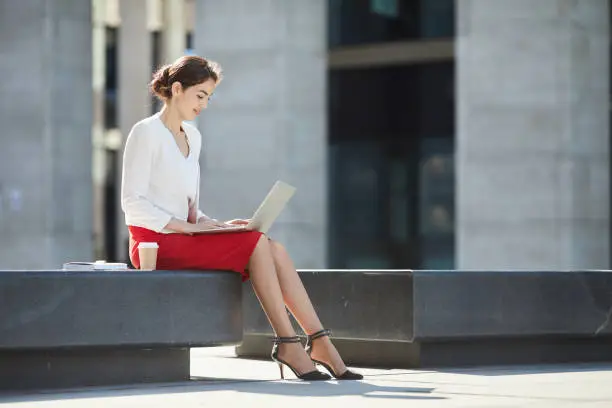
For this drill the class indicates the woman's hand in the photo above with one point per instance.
(211, 222)
(204, 224)
(237, 221)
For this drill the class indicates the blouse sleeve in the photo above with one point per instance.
(138, 157)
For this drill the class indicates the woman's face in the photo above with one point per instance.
(191, 101)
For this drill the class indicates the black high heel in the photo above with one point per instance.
(314, 375)
(347, 375)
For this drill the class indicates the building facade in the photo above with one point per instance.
(423, 134)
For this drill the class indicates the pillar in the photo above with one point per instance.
(46, 135)
(135, 71)
(174, 31)
(267, 120)
(533, 162)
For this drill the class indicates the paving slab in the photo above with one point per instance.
(220, 379)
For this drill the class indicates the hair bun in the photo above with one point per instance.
(160, 85)
(166, 76)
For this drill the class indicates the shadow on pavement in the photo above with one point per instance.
(288, 388)
(533, 369)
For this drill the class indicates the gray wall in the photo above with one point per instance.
(46, 117)
(134, 99)
(267, 120)
(533, 134)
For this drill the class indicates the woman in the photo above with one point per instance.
(160, 195)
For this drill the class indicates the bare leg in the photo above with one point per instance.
(298, 302)
(266, 285)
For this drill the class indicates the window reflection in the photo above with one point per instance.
(437, 186)
(391, 181)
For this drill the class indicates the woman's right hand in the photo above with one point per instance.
(184, 227)
(206, 225)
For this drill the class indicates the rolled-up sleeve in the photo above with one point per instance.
(138, 157)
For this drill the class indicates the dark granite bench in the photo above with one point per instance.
(454, 318)
(76, 329)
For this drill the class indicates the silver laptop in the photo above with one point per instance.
(268, 211)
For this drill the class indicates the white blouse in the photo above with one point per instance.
(158, 182)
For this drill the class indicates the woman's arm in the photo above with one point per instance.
(198, 217)
(138, 157)
(186, 227)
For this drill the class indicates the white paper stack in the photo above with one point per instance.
(95, 266)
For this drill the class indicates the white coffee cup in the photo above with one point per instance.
(147, 252)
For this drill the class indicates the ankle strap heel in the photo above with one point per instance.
(314, 336)
(347, 375)
(281, 340)
(320, 333)
(314, 375)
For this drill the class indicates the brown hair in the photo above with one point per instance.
(188, 70)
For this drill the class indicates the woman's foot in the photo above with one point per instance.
(324, 350)
(296, 357)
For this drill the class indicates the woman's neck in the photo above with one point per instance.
(171, 119)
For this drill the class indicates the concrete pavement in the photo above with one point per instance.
(222, 380)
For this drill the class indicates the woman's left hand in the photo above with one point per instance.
(238, 221)
(212, 222)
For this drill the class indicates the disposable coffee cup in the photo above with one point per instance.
(147, 252)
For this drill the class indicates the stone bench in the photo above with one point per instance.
(409, 319)
(75, 329)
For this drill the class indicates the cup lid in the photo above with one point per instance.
(148, 245)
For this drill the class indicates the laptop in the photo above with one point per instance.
(268, 211)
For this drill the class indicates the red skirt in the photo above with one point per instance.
(229, 251)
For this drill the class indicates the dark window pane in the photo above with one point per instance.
(354, 22)
(110, 93)
(189, 41)
(156, 63)
(391, 135)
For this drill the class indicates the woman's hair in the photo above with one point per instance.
(188, 70)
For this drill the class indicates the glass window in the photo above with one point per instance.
(156, 63)
(189, 41)
(110, 93)
(354, 22)
(391, 180)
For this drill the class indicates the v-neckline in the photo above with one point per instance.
(178, 148)
(188, 144)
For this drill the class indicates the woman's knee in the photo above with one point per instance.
(276, 246)
(262, 246)
(266, 247)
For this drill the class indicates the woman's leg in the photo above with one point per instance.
(298, 302)
(267, 288)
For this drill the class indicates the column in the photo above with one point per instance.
(99, 153)
(174, 34)
(533, 158)
(268, 118)
(135, 102)
(46, 116)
